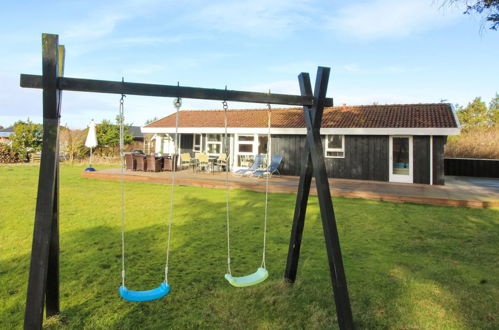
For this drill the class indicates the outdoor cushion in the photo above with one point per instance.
(148, 295)
(257, 277)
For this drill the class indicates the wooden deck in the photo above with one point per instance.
(451, 195)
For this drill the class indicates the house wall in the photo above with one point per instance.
(366, 157)
(421, 159)
(291, 148)
(438, 159)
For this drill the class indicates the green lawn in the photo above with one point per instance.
(408, 266)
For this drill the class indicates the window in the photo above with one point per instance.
(245, 144)
(213, 144)
(245, 150)
(196, 144)
(335, 146)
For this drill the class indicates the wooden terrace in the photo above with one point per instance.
(454, 194)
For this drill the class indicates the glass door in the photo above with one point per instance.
(401, 159)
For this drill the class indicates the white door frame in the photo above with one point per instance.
(400, 177)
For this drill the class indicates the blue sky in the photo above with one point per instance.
(384, 51)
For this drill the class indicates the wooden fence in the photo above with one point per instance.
(488, 168)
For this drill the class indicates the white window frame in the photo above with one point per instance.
(197, 147)
(342, 149)
(208, 142)
(251, 143)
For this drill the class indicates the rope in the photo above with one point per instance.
(122, 177)
(225, 106)
(177, 103)
(269, 117)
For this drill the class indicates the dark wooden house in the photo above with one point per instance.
(396, 143)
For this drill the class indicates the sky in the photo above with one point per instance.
(384, 51)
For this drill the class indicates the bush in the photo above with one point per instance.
(474, 143)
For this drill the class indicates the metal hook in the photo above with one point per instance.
(224, 103)
(122, 94)
(177, 102)
(268, 104)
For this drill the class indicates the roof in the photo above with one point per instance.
(135, 131)
(434, 115)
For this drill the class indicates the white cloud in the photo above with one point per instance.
(257, 17)
(391, 18)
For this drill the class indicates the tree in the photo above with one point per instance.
(148, 121)
(108, 137)
(72, 143)
(27, 138)
(488, 8)
(475, 114)
(494, 111)
(1, 127)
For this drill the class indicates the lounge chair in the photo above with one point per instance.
(275, 162)
(255, 166)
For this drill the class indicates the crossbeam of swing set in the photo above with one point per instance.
(129, 88)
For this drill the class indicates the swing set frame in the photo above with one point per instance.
(43, 281)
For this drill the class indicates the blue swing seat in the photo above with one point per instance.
(257, 277)
(148, 295)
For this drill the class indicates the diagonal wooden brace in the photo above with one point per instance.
(43, 282)
(314, 165)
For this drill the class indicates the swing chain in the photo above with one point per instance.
(227, 210)
(122, 155)
(177, 103)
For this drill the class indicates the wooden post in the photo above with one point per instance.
(45, 247)
(315, 165)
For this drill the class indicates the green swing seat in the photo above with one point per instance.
(257, 277)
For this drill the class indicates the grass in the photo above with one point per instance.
(408, 266)
(474, 143)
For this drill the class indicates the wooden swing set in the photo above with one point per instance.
(43, 282)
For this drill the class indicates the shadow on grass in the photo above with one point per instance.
(401, 274)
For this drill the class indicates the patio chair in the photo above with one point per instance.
(170, 162)
(275, 162)
(203, 161)
(131, 164)
(154, 164)
(255, 166)
(185, 160)
(222, 161)
(140, 161)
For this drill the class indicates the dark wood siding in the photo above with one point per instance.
(421, 159)
(366, 157)
(290, 147)
(438, 159)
